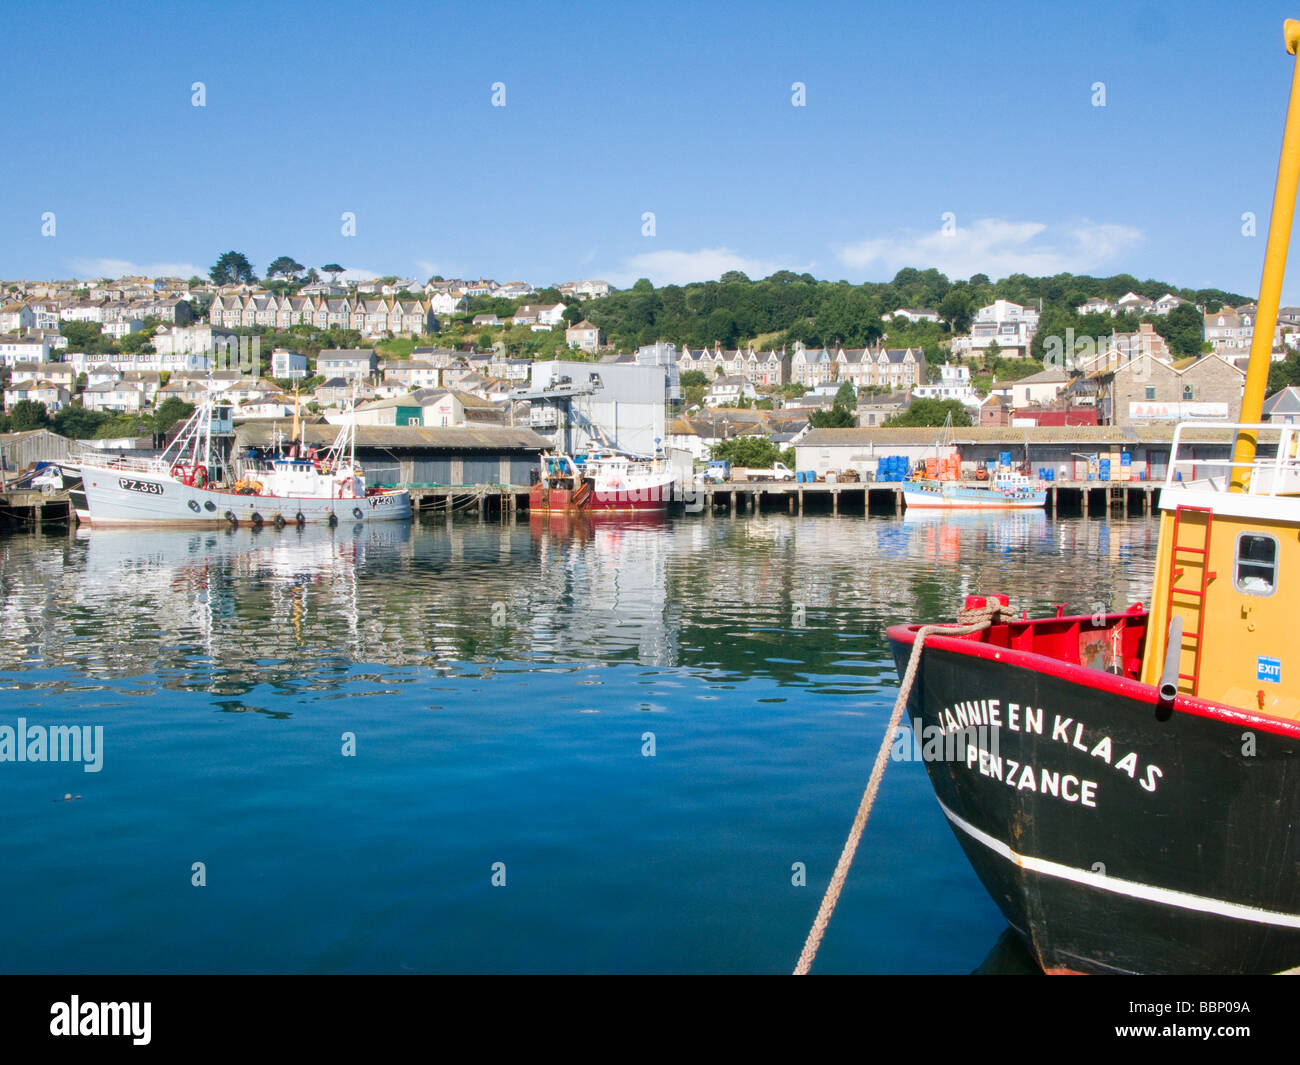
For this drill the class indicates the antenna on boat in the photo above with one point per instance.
(1270, 286)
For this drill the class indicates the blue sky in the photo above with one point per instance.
(984, 111)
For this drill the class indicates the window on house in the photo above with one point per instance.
(1151, 393)
(1256, 567)
(1187, 393)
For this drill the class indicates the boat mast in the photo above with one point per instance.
(1270, 286)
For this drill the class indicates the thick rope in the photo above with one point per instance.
(969, 621)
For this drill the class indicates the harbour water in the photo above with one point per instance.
(545, 746)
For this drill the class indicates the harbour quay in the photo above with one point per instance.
(1083, 467)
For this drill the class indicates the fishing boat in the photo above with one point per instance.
(602, 482)
(194, 482)
(942, 487)
(1007, 490)
(1127, 785)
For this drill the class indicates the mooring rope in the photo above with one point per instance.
(969, 621)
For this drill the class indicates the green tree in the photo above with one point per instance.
(139, 341)
(956, 309)
(1183, 330)
(333, 269)
(28, 414)
(1284, 374)
(572, 314)
(755, 452)
(232, 268)
(85, 336)
(694, 377)
(169, 412)
(78, 423)
(285, 267)
(927, 412)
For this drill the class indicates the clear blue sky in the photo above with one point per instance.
(912, 110)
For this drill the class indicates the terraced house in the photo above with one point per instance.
(376, 317)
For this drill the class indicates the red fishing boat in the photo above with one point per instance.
(601, 483)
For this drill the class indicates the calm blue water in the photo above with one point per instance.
(499, 682)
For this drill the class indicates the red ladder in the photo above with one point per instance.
(1196, 594)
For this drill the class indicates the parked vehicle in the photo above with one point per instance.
(779, 472)
(719, 471)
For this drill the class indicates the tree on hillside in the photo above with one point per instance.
(843, 413)
(28, 414)
(927, 412)
(1285, 373)
(78, 423)
(333, 269)
(85, 336)
(169, 412)
(956, 309)
(135, 343)
(754, 452)
(1183, 330)
(232, 268)
(284, 267)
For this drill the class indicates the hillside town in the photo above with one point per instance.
(89, 357)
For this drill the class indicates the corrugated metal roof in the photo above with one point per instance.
(479, 438)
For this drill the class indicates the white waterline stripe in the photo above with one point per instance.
(1180, 899)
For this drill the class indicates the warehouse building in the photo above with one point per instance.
(415, 455)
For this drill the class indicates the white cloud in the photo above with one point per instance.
(997, 247)
(428, 268)
(680, 267)
(93, 269)
(353, 273)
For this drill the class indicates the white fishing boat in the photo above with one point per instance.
(1007, 491)
(194, 482)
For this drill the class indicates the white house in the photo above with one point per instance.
(118, 396)
(954, 383)
(286, 364)
(15, 349)
(729, 391)
(913, 315)
(54, 396)
(1008, 324)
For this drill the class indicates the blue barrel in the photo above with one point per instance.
(1125, 459)
(1004, 458)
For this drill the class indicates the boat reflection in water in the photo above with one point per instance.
(944, 531)
(616, 566)
(222, 599)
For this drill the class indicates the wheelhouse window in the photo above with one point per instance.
(1256, 565)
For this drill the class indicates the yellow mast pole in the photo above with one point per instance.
(1270, 286)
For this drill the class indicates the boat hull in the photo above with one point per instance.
(1114, 841)
(965, 497)
(615, 501)
(117, 498)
